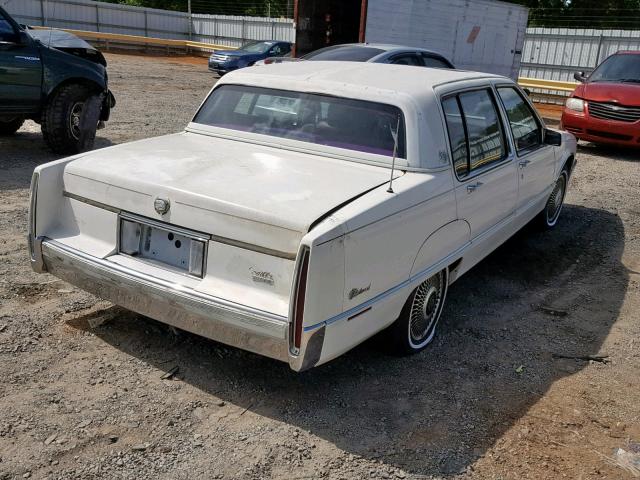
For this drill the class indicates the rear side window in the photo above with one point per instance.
(434, 62)
(457, 136)
(407, 59)
(475, 115)
(527, 133)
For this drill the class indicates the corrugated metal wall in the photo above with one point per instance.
(557, 53)
(113, 18)
(475, 35)
(230, 30)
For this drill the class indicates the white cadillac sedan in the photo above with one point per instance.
(307, 206)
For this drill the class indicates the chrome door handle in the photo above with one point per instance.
(473, 187)
(524, 163)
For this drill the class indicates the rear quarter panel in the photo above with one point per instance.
(387, 233)
(566, 151)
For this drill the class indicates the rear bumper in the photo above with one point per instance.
(236, 325)
(608, 132)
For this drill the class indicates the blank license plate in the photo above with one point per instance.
(162, 245)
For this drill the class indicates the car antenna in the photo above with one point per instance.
(395, 152)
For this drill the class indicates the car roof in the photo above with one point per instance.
(267, 41)
(352, 79)
(388, 47)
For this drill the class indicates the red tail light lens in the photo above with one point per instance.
(300, 294)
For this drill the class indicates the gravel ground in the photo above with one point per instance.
(83, 395)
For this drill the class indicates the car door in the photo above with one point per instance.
(535, 159)
(20, 70)
(486, 175)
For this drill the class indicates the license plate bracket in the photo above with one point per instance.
(163, 245)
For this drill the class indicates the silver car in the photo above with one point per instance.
(372, 53)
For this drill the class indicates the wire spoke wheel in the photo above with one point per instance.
(554, 204)
(425, 310)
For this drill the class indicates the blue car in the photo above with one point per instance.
(225, 61)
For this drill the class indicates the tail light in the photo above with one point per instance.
(300, 292)
(31, 226)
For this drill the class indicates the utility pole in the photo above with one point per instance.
(190, 20)
(269, 9)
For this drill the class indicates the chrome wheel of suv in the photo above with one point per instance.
(74, 119)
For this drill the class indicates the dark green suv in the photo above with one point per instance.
(56, 79)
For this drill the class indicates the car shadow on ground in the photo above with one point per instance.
(611, 152)
(24, 151)
(437, 412)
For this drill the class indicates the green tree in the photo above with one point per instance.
(583, 13)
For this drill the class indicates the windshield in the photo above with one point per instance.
(7, 33)
(346, 53)
(618, 68)
(257, 47)
(324, 120)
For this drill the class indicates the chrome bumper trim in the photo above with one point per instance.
(88, 201)
(237, 325)
(35, 250)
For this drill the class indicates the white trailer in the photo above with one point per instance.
(482, 35)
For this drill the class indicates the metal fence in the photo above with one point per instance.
(149, 22)
(557, 53)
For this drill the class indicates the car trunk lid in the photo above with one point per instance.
(249, 193)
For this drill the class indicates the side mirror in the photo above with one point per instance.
(579, 76)
(552, 138)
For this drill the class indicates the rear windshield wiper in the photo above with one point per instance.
(629, 80)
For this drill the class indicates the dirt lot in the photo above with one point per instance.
(82, 394)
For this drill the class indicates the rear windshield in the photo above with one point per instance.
(618, 68)
(324, 120)
(342, 53)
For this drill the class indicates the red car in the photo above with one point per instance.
(605, 108)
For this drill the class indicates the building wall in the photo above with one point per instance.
(480, 35)
(557, 53)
